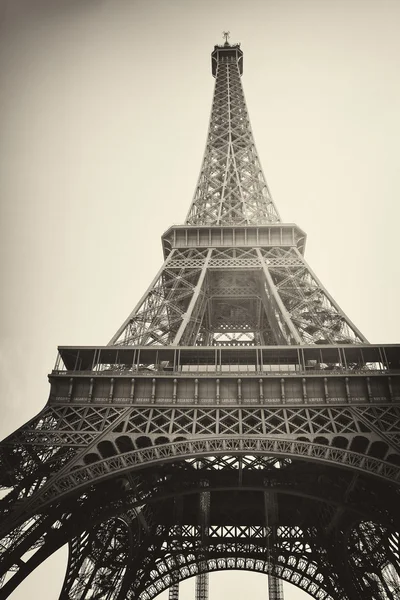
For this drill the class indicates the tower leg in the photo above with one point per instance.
(374, 559)
(98, 562)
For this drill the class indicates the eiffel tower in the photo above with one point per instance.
(236, 420)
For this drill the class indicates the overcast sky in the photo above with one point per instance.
(104, 111)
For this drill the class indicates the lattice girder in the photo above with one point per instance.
(231, 187)
(98, 562)
(361, 437)
(40, 536)
(118, 467)
(182, 557)
(374, 558)
(270, 293)
(179, 558)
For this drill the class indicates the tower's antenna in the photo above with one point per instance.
(226, 35)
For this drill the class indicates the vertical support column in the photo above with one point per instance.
(125, 324)
(275, 588)
(204, 520)
(178, 512)
(174, 592)
(292, 335)
(202, 586)
(188, 315)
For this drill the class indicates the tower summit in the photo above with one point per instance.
(236, 420)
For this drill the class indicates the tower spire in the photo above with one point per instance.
(231, 188)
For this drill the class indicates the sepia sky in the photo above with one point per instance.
(104, 109)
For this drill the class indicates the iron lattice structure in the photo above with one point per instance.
(236, 420)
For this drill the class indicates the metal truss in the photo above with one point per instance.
(98, 562)
(236, 420)
(275, 588)
(236, 296)
(168, 565)
(102, 555)
(114, 439)
(295, 557)
(375, 556)
(231, 187)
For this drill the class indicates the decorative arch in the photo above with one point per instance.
(159, 563)
(288, 555)
(297, 570)
(85, 475)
